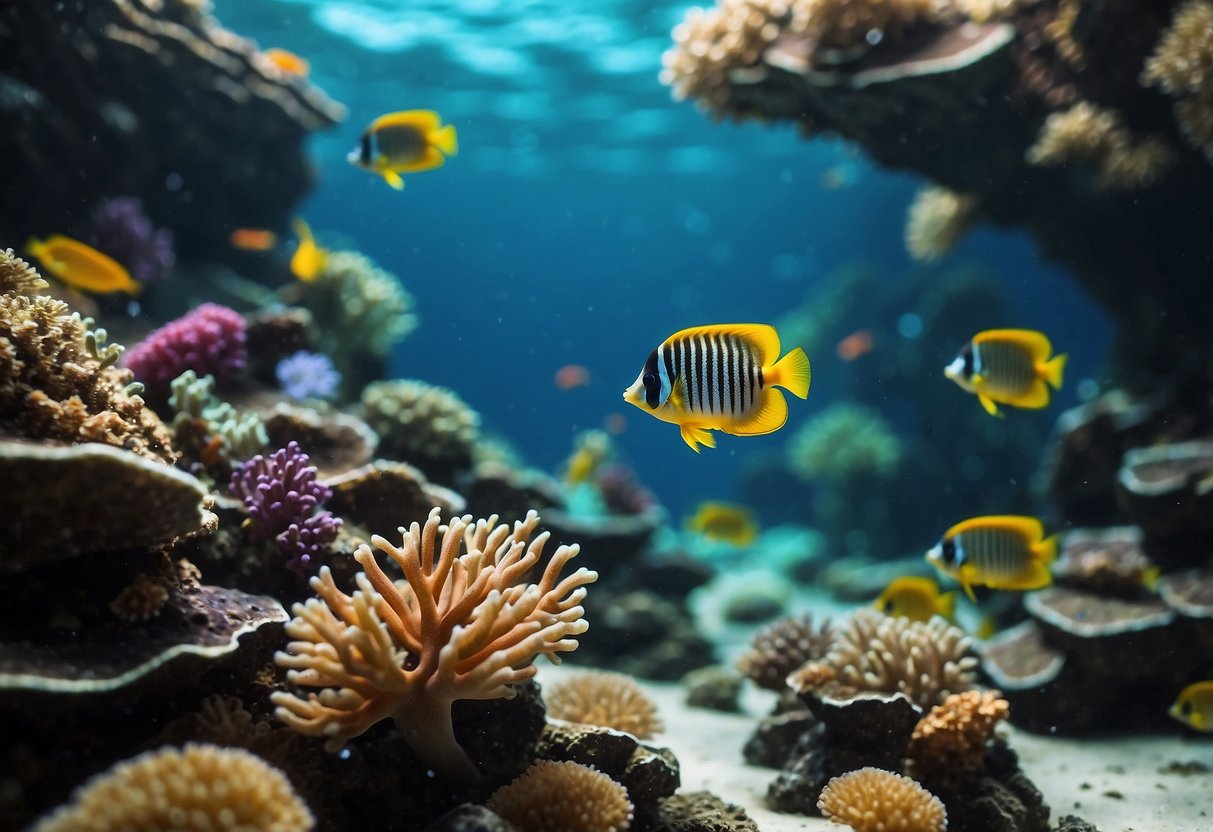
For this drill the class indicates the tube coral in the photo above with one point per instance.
(462, 625)
(875, 800)
(558, 797)
(209, 340)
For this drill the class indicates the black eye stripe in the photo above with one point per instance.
(652, 382)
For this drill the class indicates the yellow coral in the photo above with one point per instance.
(951, 739)
(937, 219)
(563, 797)
(462, 625)
(609, 700)
(875, 800)
(198, 788)
(1182, 65)
(1092, 134)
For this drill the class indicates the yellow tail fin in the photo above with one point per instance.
(1046, 549)
(792, 373)
(445, 140)
(946, 605)
(1052, 369)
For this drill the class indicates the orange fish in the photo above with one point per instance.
(572, 375)
(253, 239)
(855, 345)
(288, 62)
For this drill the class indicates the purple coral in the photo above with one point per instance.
(118, 227)
(308, 375)
(281, 493)
(209, 340)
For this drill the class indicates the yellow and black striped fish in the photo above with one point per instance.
(409, 141)
(720, 377)
(1010, 366)
(1001, 552)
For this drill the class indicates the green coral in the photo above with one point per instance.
(423, 424)
(193, 399)
(845, 442)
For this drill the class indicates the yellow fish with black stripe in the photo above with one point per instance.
(409, 141)
(720, 377)
(999, 551)
(1008, 366)
(1194, 706)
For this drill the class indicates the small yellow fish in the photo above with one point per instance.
(1001, 552)
(724, 522)
(1194, 706)
(409, 141)
(82, 266)
(1008, 366)
(591, 449)
(288, 62)
(917, 599)
(309, 259)
(720, 377)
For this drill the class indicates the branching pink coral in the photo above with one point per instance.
(460, 626)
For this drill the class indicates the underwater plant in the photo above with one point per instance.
(210, 340)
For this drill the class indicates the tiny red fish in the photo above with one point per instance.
(572, 375)
(253, 239)
(855, 345)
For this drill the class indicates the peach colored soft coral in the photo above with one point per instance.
(1090, 134)
(563, 797)
(875, 800)
(609, 700)
(463, 624)
(950, 741)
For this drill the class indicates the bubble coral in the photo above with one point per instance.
(783, 646)
(308, 375)
(197, 788)
(937, 219)
(461, 625)
(282, 495)
(118, 227)
(559, 797)
(950, 741)
(210, 340)
(423, 424)
(608, 700)
(843, 442)
(1089, 133)
(1182, 65)
(875, 800)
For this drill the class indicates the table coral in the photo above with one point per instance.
(873, 800)
(462, 625)
(210, 340)
(557, 797)
(609, 700)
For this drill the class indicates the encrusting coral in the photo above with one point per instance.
(937, 219)
(608, 700)
(197, 788)
(949, 742)
(463, 624)
(562, 797)
(423, 424)
(875, 800)
(1182, 65)
(783, 646)
(1089, 133)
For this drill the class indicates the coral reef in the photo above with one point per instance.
(422, 424)
(118, 227)
(783, 646)
(873, 800)
(949, 742)
(210, 340)
(609, 700)
(308, 375)
(936, 221)
(382, 495)
(1182, 66)
(1090, 134)
(210, 431)
(461, 626)
(553, 797)
(197, 788)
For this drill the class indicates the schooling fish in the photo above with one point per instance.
(1001, 552)
(721, 377)
(725, 522)
(1194, 706)
(81, 266)
(309, 259)
(917, 599)
(1008, 366)
(406, 142)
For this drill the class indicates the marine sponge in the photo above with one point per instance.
(1182, 65)
(462, 625)
(1089, 133)
(950, 741)
(423, 424)
(56, 382)
(118, 227)
(563, 796)
(875, 800)
(209, 340)
(197, 788)
(937, 219)
(783, 646)
(927, 661)
(843, 442)
(608, 700)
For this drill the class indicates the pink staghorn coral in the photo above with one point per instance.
(460, 626)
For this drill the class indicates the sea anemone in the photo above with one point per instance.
(308, 375)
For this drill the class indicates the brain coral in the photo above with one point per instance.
(875, 800)
(562, 797)
(55, 383)
(198, 788)
(609, 700)
(423, 424)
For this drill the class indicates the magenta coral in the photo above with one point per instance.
(281, 493)
(209, 340)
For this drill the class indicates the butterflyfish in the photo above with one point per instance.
(253, 239)
(720, 377)
(81, 266)
(309, 259)
(1001, 552)
(1008, 366)
(288, 62)
(409, 141)
(917, 599)
(1194, 706)
(724, 522)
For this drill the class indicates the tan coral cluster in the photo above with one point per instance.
(937, 219)
(198, 788)
(463, 624)
(563, 796)
(1088, 133)
(608, 700)
(424, 424)
(142, 599)
(52, 387)
(875, 800)
(781, 647)
(1182, 66)
(950, 741)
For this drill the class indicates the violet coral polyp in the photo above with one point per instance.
(462, 624)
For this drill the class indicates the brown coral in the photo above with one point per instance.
(462, 625)
(1182, 65)
(560, 797)
(950, 741)
(875, 800)
(1091, 134)
(608, 700)
(782, 647)
(937, 219)
(423, 424)
(141, 600)
(198, 788)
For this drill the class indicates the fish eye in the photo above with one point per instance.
(948, 552)
(887, 606)
(967, 355)
(1186, 708)
(649, 379)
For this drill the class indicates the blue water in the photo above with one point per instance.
(588, 216)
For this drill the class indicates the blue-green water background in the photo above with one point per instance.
(588, 216)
